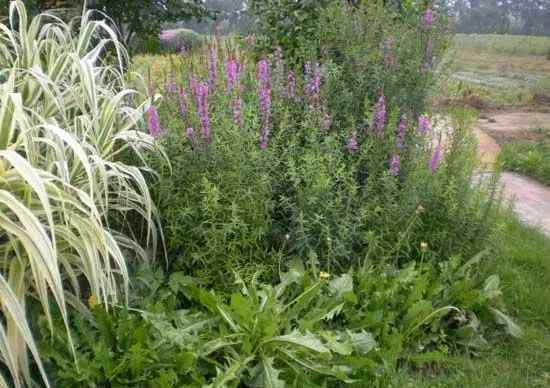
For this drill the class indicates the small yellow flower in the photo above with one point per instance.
(92, 301)
(419, 210)
(424, 247)
(324, 275)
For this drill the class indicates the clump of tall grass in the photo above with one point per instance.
(66, 121)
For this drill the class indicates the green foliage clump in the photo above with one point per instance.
(290, 332)
(531, 159)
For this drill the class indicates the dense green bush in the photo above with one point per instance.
(228, 204)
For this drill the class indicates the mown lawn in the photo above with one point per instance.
(523, 265)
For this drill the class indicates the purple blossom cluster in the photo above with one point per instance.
(428, 19)
(313, 86)
(380, 116)
(401, 132)
(231, 74)
(424, 124)
(153, 121)
(264, 80)
(201, 96)
(395, 165)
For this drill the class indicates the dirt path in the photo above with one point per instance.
(531, 200)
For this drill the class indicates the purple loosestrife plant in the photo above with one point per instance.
(428, 19)
(395, 165)
(313, 87)
(264, 81)
(401, 132)
(352, 145)
(231, 74)
(380, 116)
(424, 124)
(212, 66)
(436, 159)
(202, 108)
(153, 121)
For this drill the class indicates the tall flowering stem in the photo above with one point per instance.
(231, 74)
(436, 159)
(201, 96)
(153, 121)
(424, 124)
(428, 19)
(395, 165)
(313, 86)
(212, 66)
(401, 132)
(380, 116)
(264, 81)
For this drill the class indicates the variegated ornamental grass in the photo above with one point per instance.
(65, 122)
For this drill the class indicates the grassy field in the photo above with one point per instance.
(523, 264)
(499, 69)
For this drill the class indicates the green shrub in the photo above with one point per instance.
(228, 204)
(531, 159)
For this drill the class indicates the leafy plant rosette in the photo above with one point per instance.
(310, 329)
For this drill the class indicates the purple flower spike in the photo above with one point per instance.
(212, 66)
(313, 87)
(231, 74)
(395, 165)
(380, 116)
(352, 144)
(401, 132)
(202, 108)
(153, 121)
(424, 124)
(436, 159)
(428, 19)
